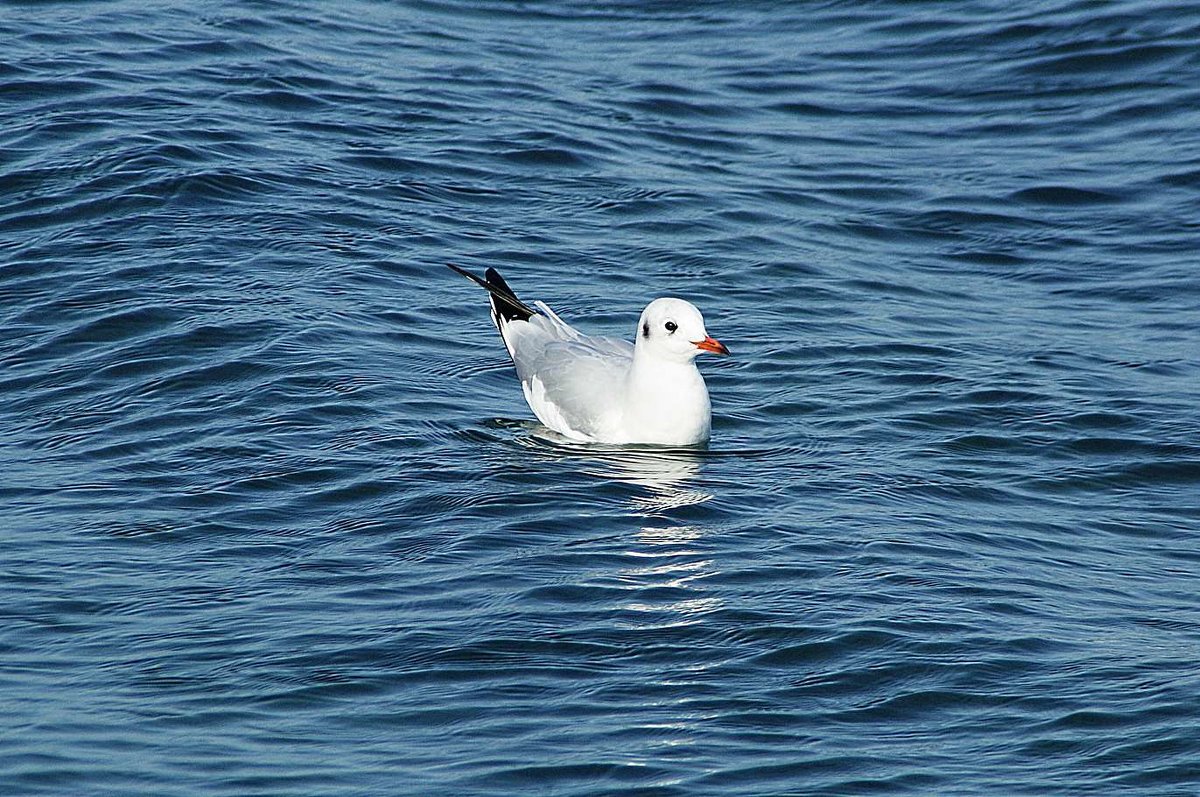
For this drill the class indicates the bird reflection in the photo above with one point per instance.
(671, 560)
(667, 474)
(669, 556)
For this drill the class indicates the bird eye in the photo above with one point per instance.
(671, 326)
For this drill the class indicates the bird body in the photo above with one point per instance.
(605, 390)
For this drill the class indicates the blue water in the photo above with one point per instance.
(277, 521)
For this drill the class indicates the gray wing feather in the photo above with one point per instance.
(571, 380)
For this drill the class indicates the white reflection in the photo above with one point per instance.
(669, 567)
(671, 535)
(669, 556)
(667, 475)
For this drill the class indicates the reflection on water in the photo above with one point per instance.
(671, 535)
(672, 563)
(666, 473)
(666, 586)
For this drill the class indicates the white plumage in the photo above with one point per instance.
(604, 390)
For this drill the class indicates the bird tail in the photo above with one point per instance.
(505, 304)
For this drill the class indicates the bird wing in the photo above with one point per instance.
(573, 382)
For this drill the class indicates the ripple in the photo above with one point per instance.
(1059, 195)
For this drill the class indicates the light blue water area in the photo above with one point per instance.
(277, 521)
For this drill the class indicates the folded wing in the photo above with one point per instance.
(572, 381)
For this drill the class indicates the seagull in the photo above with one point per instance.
(604, 390)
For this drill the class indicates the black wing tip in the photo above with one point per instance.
(457, 269)
(505, 304)
(493, 276)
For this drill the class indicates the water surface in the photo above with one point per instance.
(278, 522)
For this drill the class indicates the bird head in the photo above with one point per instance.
(673, 330)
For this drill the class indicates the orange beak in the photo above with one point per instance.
(711, 344)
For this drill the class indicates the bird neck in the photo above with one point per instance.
(647, 366)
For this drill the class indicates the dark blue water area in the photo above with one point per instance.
(277, 520)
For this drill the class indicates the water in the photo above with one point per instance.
(277, 520)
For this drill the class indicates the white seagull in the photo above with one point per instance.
(604, 390)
